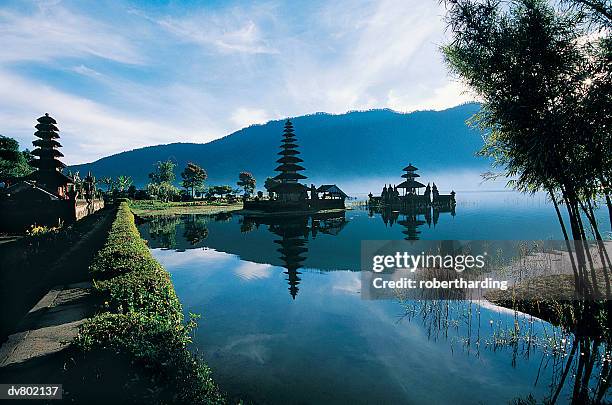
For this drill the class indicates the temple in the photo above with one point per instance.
(287, 194)
(47, 196)
(410, 196)
(288, 188)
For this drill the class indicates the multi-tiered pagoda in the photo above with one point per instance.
(47, 196)
(49, 175)
(410, 185)
(288, 187)
(287, 194)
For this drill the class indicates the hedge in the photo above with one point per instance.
(142, 317)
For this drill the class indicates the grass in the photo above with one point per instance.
(142, 321)
(155, 207)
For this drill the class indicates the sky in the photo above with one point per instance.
(119, 75)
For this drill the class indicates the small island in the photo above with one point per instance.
(390, 196)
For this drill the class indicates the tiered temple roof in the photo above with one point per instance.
(289, 163)
(46, 146)
(49, 166)
(410, 183)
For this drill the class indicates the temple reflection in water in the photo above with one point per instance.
(412, 217)
(294, 233)
(291, 241)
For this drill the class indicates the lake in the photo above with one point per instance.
(283, 320)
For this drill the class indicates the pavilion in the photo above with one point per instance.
(411, 196)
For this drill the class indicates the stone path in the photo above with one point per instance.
(50, 325)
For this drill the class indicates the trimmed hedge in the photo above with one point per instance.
(143, 318)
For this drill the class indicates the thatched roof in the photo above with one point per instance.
(288, 188)
(289, 176)
(332, 189)
(410, 184)
(291, 167)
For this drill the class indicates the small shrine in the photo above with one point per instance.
(411, 195)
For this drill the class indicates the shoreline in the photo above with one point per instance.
(118, 336)
(147, 208)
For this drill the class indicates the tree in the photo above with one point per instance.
(164, 172)
(123, 183)
(13, 162)
(162, 177)
(597, 12)
(269, 184)
(219, 191)
(193, 177)
(162, 191)
(108, 182)
(247, 182)
(132, 191)
(544, 76)
(546, 89)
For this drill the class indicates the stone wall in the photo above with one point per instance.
(16, 216)
(82, 209)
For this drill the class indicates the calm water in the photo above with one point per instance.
(283, 321)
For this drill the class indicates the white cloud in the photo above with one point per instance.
(450, 94)
(383, 52)
(182, 73)
(232, 31)
(85, 71)
(88, 129)
(245, 39)
(243, 116)
(253, 271)
(53, 31)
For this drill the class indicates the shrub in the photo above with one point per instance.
(143, 317)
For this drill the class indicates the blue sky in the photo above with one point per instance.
(119, 75)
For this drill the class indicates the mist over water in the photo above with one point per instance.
(459, 180)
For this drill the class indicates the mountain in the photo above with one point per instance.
(352, 146)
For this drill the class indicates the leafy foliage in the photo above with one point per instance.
(219, 191)
(193, 177)
(123, 183)
(546, 83)
(108, 182)
(13, 162)
(161, 181)
(164, 172)
(164, 191)
(247, 182)
(143, 318)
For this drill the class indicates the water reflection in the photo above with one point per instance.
(195, 229)
(411, 218)
(162, 229)
(294, 233)
(569, 362)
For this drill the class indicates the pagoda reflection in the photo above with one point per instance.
(294, 233)
(411, 218)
